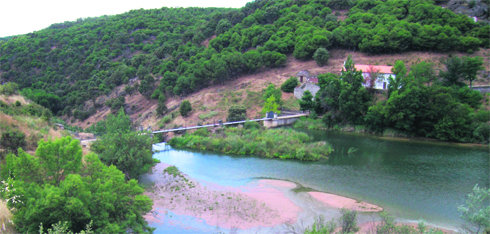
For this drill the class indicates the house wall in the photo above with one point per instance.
(381, 82)
(299, 91)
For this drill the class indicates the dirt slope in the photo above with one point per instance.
(211, 104)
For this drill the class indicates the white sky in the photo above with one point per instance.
(25, 16)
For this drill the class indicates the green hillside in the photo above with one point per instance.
(67, 64)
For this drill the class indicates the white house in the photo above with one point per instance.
(375, 76)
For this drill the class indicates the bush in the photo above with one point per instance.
(12, 140)
(252, 125)
(185, 108)
(236, 113)
(289, 85)
(321, 56)
(348, 221)
(476, 209)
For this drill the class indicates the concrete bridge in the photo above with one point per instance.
(268, 123)
(482, 88)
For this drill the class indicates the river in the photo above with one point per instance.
(411, 180)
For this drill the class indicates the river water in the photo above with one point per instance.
(411, 180)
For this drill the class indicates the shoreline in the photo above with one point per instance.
(261, 204)
(421, 140)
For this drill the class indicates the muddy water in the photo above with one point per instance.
(411, 180)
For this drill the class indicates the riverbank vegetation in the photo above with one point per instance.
(348, 224)
(418, 103)
(56, 187)
(252, 140)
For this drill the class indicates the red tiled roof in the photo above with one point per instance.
(374, 68)
(313, 80)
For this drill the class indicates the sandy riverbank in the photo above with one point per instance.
(262, 203)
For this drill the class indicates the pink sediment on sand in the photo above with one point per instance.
(262, 204)
(339, 202)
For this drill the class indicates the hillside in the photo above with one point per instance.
(20, 114)
(145, 58)
(211, 104)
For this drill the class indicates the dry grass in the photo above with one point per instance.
(219, 98)
(13, 98)
(6, 224)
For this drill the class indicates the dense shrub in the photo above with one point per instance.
(185, 108)
(289, 85)
(321, 56)
(236, 113)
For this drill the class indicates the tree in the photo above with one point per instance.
(223, 26)
(91, 194)
(236, 113)
(306, 102)
(472, 67)
(476, 209)
(321, 56)
(289, 85)
(271, 90)
(59, 157)
(271, 105)
(161, 108)
(12, 140)
(422, 72)
(185, 108)
(129, 151)
(459, 69)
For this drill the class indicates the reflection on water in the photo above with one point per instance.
(410, 180)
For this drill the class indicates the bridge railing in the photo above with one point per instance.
(226, 123)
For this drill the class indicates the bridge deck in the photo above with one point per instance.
(227, 123)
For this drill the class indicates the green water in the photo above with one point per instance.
(411, 180)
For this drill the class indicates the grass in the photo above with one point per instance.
(173, 171)
(291, 104)
(208, 115)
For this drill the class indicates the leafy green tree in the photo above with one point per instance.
(59, 157)
(185, 108)
(146, 86)
(271, 90)
(423, 72)
(271, 105)
(223, 26)
(289, 85)
(161, 108)
(476, 209)
(306, 102)
(12, 140)
(459, 69)
(273, 59)
(79, 200)
(128, 150)
(321, 56)
(236, 113)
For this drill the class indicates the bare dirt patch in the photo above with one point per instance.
(246, 90)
